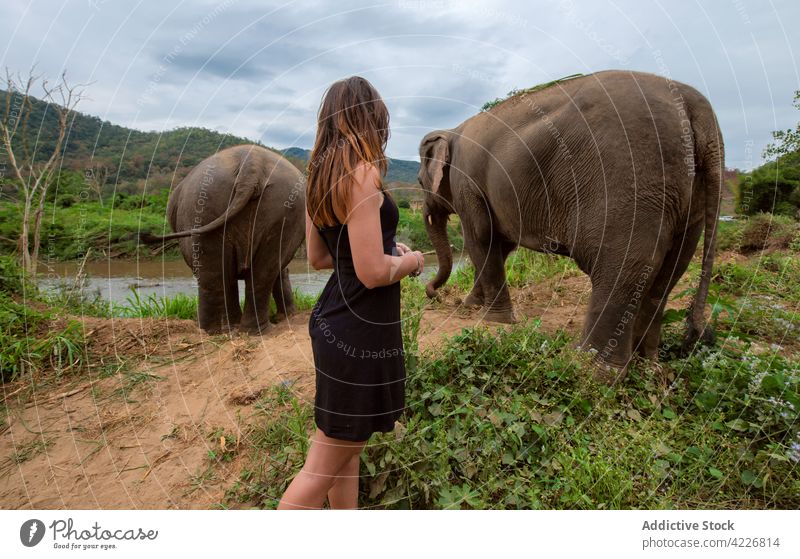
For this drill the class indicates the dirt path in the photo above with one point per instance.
(140, 437)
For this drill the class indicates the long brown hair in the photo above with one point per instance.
(352, 127)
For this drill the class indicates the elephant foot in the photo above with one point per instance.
(648, 353)
(473, 300)
(217, 329)
(505, 317)
(604, 370)
(609, 374)
(281, 314)
(258, 329)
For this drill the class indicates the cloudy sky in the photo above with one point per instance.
(258, 68)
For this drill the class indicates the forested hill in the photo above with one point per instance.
(400, 170)
(132, 155)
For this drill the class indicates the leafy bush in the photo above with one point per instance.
(767, 231)
(774, 187)
(411, 230)
(12, 278)
(32, 338)
(523, 267)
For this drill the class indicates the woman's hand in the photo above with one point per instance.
(419, 258)
(419, 262)
(402, 249)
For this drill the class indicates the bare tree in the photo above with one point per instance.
(96, 176)
(34, 177)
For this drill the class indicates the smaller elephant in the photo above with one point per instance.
(239, 214)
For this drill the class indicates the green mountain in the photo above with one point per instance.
(400, 170)
(131, 156)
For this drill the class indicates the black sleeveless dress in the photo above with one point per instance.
(357, 342)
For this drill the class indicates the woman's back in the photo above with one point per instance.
(357, 341)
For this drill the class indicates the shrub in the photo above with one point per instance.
(774, 187)
(766, 231)
(12, 278)
(31, 338)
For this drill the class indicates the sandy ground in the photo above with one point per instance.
(82, 443)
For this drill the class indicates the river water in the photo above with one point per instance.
(115, 280)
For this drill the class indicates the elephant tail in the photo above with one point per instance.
(709, 162)
(245, 187)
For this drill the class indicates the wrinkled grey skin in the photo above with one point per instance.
(619, 170)
(239, 214)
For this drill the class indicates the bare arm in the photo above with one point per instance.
(317, 251)
(373, 267)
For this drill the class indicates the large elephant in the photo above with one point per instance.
(619, 170)
(239, 214)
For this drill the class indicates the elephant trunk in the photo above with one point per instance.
(436, 226)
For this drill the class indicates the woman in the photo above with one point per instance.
(355, 325)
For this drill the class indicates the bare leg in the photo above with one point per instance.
(344, 492)
(326, 458)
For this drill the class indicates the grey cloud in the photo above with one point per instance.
(259, 69)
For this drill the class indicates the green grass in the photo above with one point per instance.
(180, 305)
(489, 105)
(523, 267)
(31, 340)
(24, 452)
(159, 306)
(33, 336)
(277, 444)
(758, 299)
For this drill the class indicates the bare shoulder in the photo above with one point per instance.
(366, 185)
(367, 177)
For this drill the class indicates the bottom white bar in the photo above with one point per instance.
(389, 534)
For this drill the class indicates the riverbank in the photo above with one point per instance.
(116, 280)
(110, 231)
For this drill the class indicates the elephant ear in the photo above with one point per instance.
(436, 154)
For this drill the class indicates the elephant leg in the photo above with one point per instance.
(613, 307)
(647, 332)
(259, 284)
(475, 297)
(282, 293)
(487, 257)
(218, 307)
